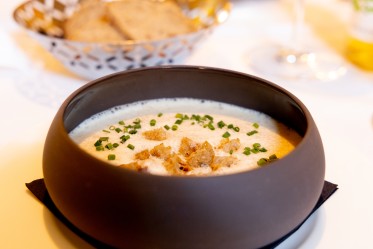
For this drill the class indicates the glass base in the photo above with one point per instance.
(286, 63)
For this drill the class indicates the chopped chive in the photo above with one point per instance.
(111, 157)
(132, 131)
(262, 161)
(137, 126)
(236, 129)
(106, 131)
(246, 151)
(109, 146)
(137, 121)
(160, 114)
(226, 134)
(131, 146)
(256, 145)
(118, 130)
(112, 127)
(152, 122)
(179, 115)
(166, 127)
(209, 117)
(124, 138)
(273, 157)
(250, 133)
(115, 145)
(230, 126)
(98, 143)
(104, 138)
(121, 122)
(262, 149)
(99, 148)
(174, 127)
(211, 126)
(256, 125)
(221, 124)
(231, 152)
(178, 121)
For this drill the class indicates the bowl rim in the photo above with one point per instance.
(204, 29)
(306, 114)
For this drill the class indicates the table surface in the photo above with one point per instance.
(33, 85)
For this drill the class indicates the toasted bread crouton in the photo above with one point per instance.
(175, 165)
(155, 134)
(149, 20)
(134, 166)
(230, 146)
(142, 155)
(222, 161)
(202, 157)
(89, 24)
(187, 146)
(161, 151)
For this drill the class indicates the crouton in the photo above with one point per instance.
(202, 157)
(161, 151)
(187, 146)
(230, 146)
(175, 165)
(142, 155)
(134, 166)
(155, 134)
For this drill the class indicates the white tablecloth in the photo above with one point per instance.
(33, 85)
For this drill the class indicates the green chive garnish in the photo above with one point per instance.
(111, 157)
(121, 122)
(250, 133)
(132, 131)
(118, 130)
(236, 129)
(178, 121)
(174, 127)
(160, 114)
(262, 161)
(246, 151)
(99, 148)
(104, 138)
(152, 122)
(226, 134)
(209, 117)
(106, 131)
(166, 127)
(221, 124)
(211, 126)
(256, 125)
(131, 146)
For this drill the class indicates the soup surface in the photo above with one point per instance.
(185, 137)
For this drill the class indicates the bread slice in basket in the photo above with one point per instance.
(113, 21)
(149, 20)
(90, 24)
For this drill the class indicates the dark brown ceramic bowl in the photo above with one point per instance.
(129, 209)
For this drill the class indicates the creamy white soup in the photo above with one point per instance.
(185, 136)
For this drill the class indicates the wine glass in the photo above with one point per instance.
(294, 60)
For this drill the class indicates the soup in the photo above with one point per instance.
(185, 136)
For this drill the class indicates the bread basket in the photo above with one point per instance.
(44, 21)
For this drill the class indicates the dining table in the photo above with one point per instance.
(33, 85)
